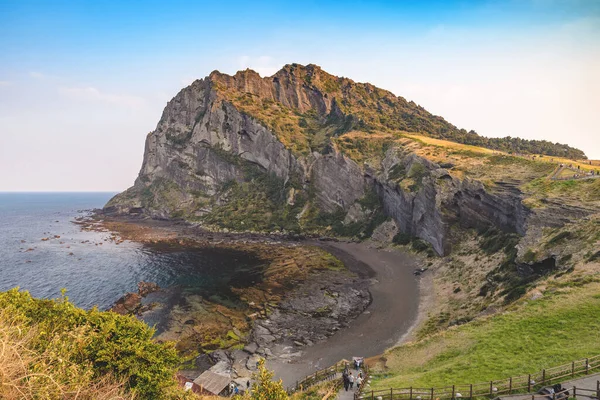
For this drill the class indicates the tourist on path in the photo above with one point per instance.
(351, 379)
(358, 382)
(346, 382)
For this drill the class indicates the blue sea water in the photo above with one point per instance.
(94, 270)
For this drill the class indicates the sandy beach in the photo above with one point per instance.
(390, 316)
(396, 303)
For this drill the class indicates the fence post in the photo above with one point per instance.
(372, 395)
(543, 376)
(410, 398)
(453, 391)
(510, 385)
(598, 389)
(573, 368)
(529, 383)
(587, 366)
(554, 396)
(391, 393)
(575, 392)
(491, 386)
(431, 393)
(471, 392)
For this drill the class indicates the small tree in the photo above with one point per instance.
(264, 388)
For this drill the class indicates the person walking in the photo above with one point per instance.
(351, 379)
(346, 382)
(359, 381)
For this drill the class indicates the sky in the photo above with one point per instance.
(83, 82)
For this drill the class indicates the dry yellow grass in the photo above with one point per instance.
(27, 374)
(583, 164)
(451, 145)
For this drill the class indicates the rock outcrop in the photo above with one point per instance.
(227, 147)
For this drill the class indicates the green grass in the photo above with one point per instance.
(533, 335)
(585, 190)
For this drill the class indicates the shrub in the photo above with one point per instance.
(27, 373)
(401, 238)
(264, 388)
(529, 256)
(99, 344)
(594, 257)
(420, 245)
(559, 238)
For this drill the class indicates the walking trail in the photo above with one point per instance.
(589, 382)
(343, 394)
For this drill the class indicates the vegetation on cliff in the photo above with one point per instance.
(251, 154)
(350, 106)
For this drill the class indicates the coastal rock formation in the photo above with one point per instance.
(246, 153)
(313, 310)
(131, 303)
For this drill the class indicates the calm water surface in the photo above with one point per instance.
(94, 270)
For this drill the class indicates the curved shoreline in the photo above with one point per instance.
(396, 305)
(392, 314)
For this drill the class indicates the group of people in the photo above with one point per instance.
(349, 379)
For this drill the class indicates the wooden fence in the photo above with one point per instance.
(326, 374)
(516, 384)
(589, 393)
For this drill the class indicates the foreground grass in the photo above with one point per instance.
(51, 349)
(562, 326)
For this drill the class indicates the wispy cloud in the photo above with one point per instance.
(5, 83)
(36, 75)
(264, 65)
(90, 93)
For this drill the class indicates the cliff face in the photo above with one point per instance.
(249, 153)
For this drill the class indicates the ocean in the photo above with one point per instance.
(43, 251)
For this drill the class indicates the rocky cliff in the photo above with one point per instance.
(304, 151)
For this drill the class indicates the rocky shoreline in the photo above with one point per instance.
(297, 312)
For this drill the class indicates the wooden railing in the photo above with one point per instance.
(516, 384)
(589, 393)
(326, 374)
(366, 376)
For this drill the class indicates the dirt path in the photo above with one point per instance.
(394, 307)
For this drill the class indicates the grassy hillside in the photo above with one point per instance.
(557, 328)
(530, 173)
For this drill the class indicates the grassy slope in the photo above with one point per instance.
(531, 335)
(529, 173)
(560, 327)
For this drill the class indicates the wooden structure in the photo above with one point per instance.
(211, 383)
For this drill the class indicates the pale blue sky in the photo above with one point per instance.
(82, 82)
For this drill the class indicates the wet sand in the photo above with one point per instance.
(390, 316)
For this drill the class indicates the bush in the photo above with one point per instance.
(559, 238)
(29, 374)
(401, 238)
(99, 344)
(264, 388)
(420, 245)
(529, 256)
